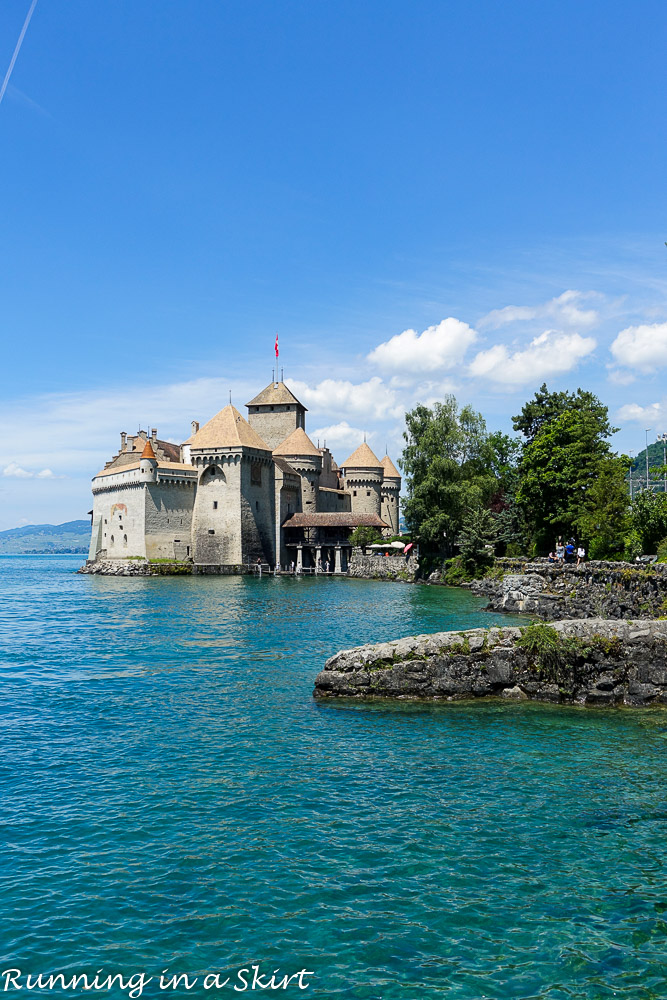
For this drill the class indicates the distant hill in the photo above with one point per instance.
(655, 461)
(72, 536)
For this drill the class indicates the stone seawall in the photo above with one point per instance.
(592, 590)
(594, 662)
(121, 567)
(380, 567)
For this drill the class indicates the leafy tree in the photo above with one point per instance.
(649, 518)
(447, 461)
(364, 535)
(565, 452)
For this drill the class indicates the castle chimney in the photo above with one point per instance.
(154, 433)
(123, 439)
(195, 426)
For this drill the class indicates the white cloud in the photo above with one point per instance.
(340, 436)
(435, 349)
(564, 311)
(651, 415)
(552, 353)
(16, 471)
(643, 348)
(373, 399)
(619, 377)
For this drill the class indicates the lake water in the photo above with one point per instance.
(173, 798)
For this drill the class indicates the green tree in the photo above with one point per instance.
(447, 462)
(564, 454)
(365, 535)
(649, 518)
(476, 537)
(605, 520)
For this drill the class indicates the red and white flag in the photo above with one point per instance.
(276, 345)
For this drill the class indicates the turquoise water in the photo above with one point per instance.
(173, 798)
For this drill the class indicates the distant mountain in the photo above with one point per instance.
(72, 536)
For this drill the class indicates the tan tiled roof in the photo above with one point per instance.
(227, 429)
(148, 450)
(275, 392)
(285, 466)
(362, 458)
(297, 443)
(344, 519)
(116, 470)
(390, 469)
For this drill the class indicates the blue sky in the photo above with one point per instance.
(421, 198)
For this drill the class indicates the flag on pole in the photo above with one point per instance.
(276, 345)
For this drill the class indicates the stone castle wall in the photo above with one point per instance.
(369, 566)
(168, 520)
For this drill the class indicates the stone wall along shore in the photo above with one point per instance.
(138, 567)
(593, 662)
(591, 590)
(367, 566)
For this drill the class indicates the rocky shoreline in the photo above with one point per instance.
(586, 662)
(594, 589)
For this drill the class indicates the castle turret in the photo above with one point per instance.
(234, 511)
(303, 456)
(391, 488)
(148, 464)
(362, 477)
(275, 413)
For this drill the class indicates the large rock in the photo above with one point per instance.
(595, 661)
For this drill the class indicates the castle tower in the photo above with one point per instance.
(234, 511)
(148, 464)
(391, 488)
(302, 455)
(275, 413)
(362, 478)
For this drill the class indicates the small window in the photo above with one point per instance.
(256, 474)
(211, 531)
(187, 549)
(354, 493)
(124, 539)
(215, 505)
(112, 538)
(256, 504)
(368, 493)
(271, 407)
(105, 520)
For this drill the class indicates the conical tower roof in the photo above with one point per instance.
(148, 450)
(227, 429)
(362, 458)
(275, 392)
(390, 470)
(297, 443)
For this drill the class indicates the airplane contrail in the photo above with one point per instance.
(17, 50)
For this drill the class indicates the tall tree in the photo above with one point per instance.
(447, 461)
(566, 448)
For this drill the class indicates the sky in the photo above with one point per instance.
(420, 198)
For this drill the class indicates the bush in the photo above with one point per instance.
(662, 550)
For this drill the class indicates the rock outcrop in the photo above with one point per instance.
(593, 662)
(592, 590)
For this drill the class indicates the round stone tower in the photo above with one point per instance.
(306, 459)
(148, 464)
(362, 478)
(391, 488)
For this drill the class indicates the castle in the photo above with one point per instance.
(240, 492)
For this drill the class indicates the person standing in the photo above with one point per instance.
(581, 554)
